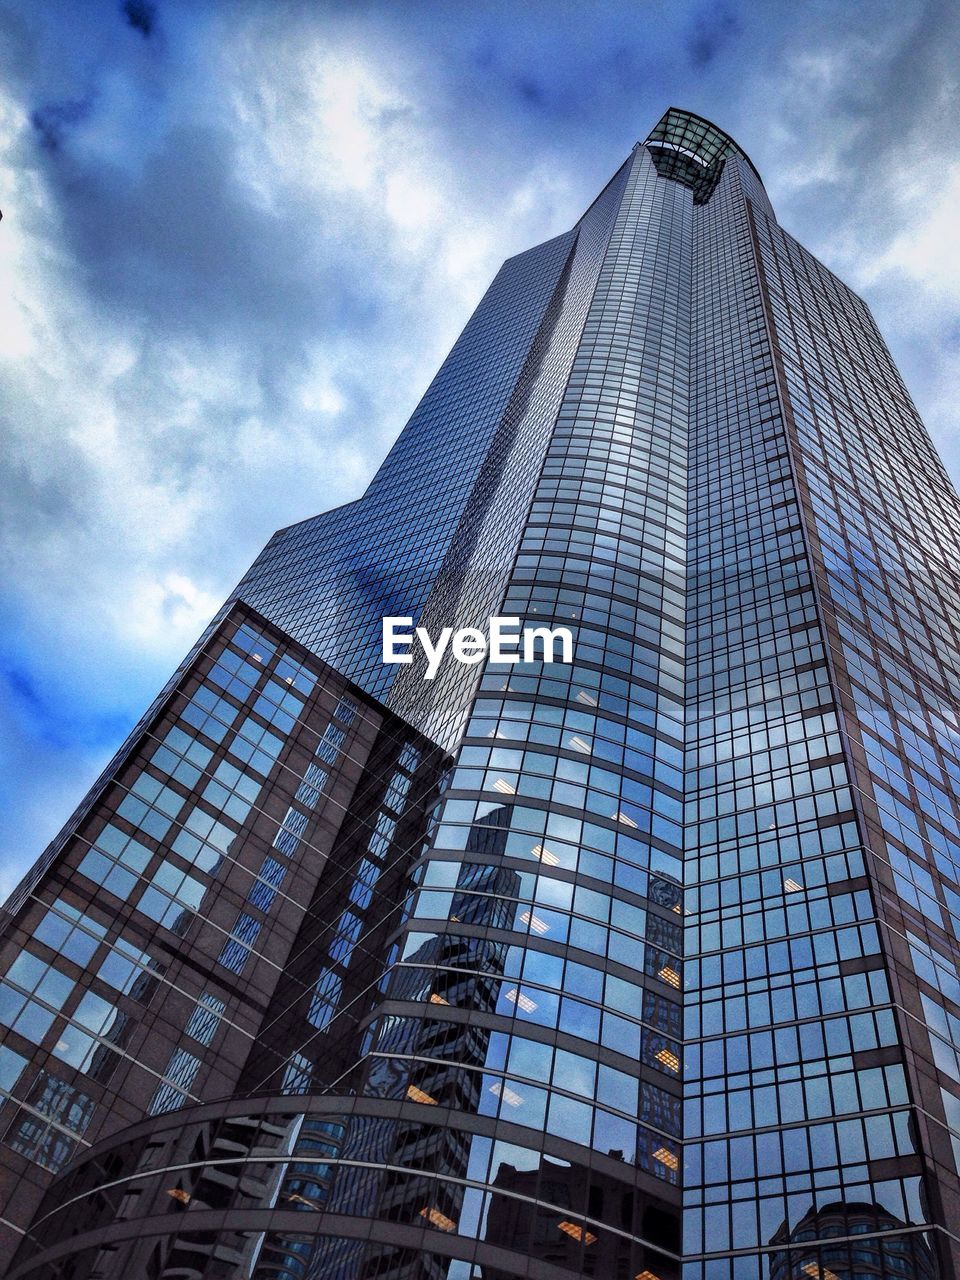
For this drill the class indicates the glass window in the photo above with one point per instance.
(11, 1068)
(205, 1018)
(70, 932)
(180, 1074)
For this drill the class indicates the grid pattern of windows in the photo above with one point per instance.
(547, 906)
(329, 581)
(657, 974)
(183, 881)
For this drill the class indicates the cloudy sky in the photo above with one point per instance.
(239, 237)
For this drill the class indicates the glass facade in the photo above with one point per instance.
(643, 966)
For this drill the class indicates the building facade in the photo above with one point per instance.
(641, 966)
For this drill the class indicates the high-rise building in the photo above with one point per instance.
(638, 966)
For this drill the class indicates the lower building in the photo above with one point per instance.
(213, 928)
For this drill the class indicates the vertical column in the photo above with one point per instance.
(796, 1093)
(533, 998)
(883, 523)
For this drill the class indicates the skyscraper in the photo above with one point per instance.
(639, 966)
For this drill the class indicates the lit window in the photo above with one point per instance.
(576, 1232)
(296, 1198)
(438, 1219)
(518, 998)
(510, 1096)
(545, 856)
(664, 1156)
(418, 1095)
(668, 1059)
(669, 976)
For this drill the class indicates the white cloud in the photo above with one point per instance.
(926, 247)
(165, 614)
(148, 459)
(318, 392)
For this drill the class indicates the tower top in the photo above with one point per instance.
(692, 150)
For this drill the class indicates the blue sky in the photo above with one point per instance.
(239, 237)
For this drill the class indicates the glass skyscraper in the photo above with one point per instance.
(643, 966)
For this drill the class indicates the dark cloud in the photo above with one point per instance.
(713, 29)
(140, 15)
(55, 120)
(177, 239)
(531, 91)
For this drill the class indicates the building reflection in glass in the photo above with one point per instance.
(850, 1240)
